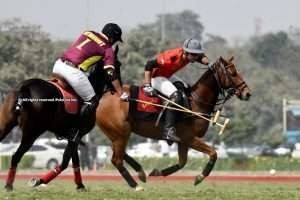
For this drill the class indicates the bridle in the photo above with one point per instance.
(224, 94)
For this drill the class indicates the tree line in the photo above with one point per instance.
(268, 62)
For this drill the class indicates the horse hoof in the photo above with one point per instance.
(34, 182)
(142, 176)
(198, 179)
(81, 188)
(155, 172)
(139, 188)
(8, 188)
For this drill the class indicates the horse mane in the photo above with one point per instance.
(206, 75)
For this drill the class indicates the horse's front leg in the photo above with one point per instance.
(76, 170)
(182, 159)
(200, 145)
(70, 148)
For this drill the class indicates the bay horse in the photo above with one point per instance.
(112, 116)
(36, 117)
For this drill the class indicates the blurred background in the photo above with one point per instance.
(262, 35)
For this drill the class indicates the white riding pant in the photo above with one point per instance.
(163, 85)
(76, 78)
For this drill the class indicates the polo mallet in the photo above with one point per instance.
(161, 113)
(216, 117)
(223, 126)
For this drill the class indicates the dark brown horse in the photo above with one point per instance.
(34, 118)
(113, 118)
(37, 115)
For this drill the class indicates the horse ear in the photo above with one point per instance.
(231, 59)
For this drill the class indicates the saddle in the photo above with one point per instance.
(141, 110)
(70, 98)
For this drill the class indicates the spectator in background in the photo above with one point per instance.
(85, 162)
(93, 152)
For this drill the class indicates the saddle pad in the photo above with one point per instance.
(144, 107)
(143, 111)
(70, 99)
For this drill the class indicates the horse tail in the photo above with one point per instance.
(13, 106)
(8, 116)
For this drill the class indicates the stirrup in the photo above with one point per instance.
(171, 135)
(77, 140)
(72, 138)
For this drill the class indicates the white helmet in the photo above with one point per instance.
(192, 46)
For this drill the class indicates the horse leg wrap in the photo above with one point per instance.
(170, 170)
(11, 176)
(131, 182)
(136, 166)
(77, 175)
(51, 175)
(209, 166)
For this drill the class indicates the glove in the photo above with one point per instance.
(149, 90)
(124, 96)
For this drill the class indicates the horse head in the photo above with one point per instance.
(230, 79)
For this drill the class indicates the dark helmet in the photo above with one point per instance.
(113, 31)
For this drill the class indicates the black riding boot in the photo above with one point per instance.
(87, 109)
(169, 130)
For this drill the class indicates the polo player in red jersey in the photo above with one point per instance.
(159, 70)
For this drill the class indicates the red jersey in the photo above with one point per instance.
(169, 62)
(88, 49)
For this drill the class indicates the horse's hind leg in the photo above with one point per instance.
(76, 170)
(182, 156)
(136, 166)
(117, 160)
(199, 145)
(26, 143)
(71, 147)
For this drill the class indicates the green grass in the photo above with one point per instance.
(60, 190)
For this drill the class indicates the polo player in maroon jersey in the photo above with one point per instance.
(90, 48)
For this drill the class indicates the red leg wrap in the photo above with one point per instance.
(77, 175)
(11, 176)
(51, 175)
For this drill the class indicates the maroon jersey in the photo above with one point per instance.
(88, 49)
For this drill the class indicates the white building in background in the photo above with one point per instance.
(291, 121)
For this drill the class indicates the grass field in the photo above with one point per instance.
(156, 190)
